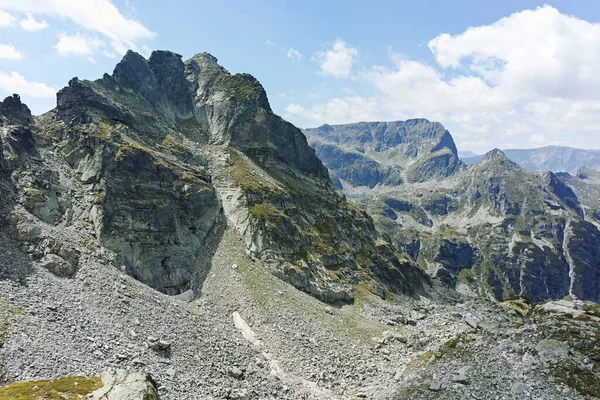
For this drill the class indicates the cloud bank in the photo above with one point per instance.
(527, 79)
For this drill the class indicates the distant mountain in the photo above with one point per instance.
(367, 154)
(549, 158)
(467, 154)
(494, 228)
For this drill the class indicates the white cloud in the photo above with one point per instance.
(294, 54)
(8, 52)
(6, 19)
(337, 59)
(336, 111)
(538, 139)
(16, 83)
(528, 79)
(98, 16)
(541, 52)
(77, 45)
(30, 24)
(476, 146)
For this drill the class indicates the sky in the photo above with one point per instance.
(510, 74)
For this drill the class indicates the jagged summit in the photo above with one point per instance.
(198, 93)
(14, 111)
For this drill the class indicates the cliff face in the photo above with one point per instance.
(494, 229)
(143, 168)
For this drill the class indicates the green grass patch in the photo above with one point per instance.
(266, 211)
(173, 146)
(584, 381)
(73, 387)
(7, 313)
(239, 86)
(245, 176)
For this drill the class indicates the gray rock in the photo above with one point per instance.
(57, 265)
(552, 350)
(462, 375)
(472, 321)
(158, 344)
(188, 296)
(235, 372)
(123, 385)
(435, 386)
(240, 394)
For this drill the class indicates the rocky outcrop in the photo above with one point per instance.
(582, 250)
(585, 185)
(123, 385)
(144, 168)
(14, 112)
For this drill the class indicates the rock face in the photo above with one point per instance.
(494, 229)
(385, 153)
(143, 168)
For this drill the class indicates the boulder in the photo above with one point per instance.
(124, 385)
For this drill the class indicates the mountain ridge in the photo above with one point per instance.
(549, 158)
(426, 149)
(472, 211)
(213, 136)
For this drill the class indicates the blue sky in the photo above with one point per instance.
(496, 74)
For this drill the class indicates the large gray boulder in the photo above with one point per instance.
(124, 385)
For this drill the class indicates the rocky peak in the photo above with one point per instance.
(495, 161)
(209, 77)
(134, 73)
(162, 152)
(495, 154)
(12, 111)
(169, 69)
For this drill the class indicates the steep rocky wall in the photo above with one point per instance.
(140, 167)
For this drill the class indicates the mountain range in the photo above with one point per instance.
(165, 235)
(548, 158)
(493, 228)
